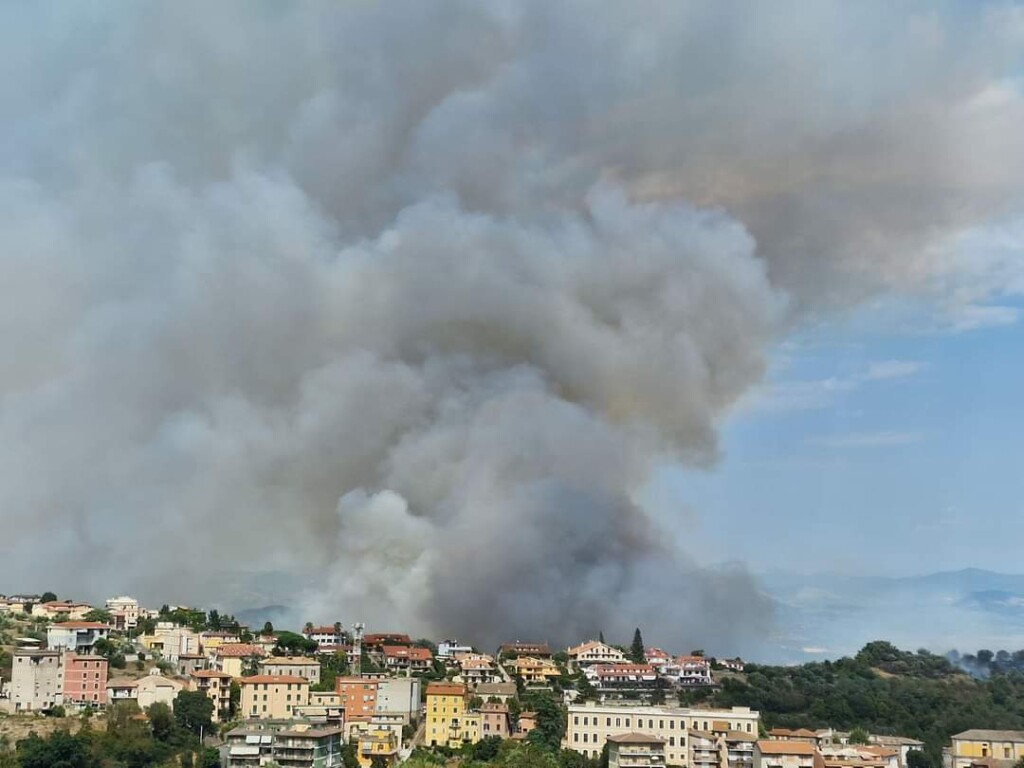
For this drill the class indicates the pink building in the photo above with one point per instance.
(85, 679)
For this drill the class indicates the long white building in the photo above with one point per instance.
(591, 724)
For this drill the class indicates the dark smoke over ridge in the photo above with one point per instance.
(416, 295)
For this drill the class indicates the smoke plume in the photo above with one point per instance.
(412, 297)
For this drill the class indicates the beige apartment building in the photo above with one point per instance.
(591, 724)
(273, 697)
(217, 687)
(37, 679)
(784, 754)
(297, 666)
(636, 750)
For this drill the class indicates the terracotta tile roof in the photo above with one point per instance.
(446, 689)
(238, 650)
(210, 673)
(779, 747)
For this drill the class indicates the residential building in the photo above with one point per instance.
(377, 743)
(287, 744)
(739, 748)
(693, 670)
(447, 649)
(77, 636)
(190, 663)
(125, 612)
(590, 725)
(156, 688)
(272, 697)
(622, 677)
(636, 750)
(211, 640)
(61, 610)
(595, 652)
(446, 703)
(171, 641)
(705, 750)
(799, 734)
(519, 648)
(237, 659)
(776, 753)
(978, 745)
(85, 680)
(656, 657)
(299, 666)
(474, 672)
(37, 679)
(859, 756)
(901, 744)
(534, 670)
(527, 722)
(399, 696)
(500, 691)
(358, 697)
(402, 657)
(380, 639)
(736, 665)
(326, 635)
(495, 721)
(121, 689)
(217, 687)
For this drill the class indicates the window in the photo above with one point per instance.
(576, 720)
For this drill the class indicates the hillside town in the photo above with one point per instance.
(339, 695)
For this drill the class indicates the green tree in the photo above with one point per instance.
(100, 615)
(636, 650)
(193, 711)
(268, 628)
(161, 721)
(48, 597)
(59, 750)
(859, 736)
(918, 759)
(486, 749)
(348, 755)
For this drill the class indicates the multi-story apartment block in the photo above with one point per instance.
(590, 725)
(519, 648)
(37, 679)
(237, 659)
(77, 636)
(326, 635)
(595, 652)
(85, 680)
(494, 721)
(447, 649)
(358, 697)
(287, 744)
(533, 669)
(399, 696)
(775, 753)
(402, 657)
(217, 687)
(172, 641)
(125, 612)
(299, 666)
(622, 677)
(273, 697)
(446, 705)
(636, 750)
(377, 744)
(978, 744)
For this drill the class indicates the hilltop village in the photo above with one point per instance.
(202, 690)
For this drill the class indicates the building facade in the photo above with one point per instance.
(37, 679)
(77, 636)
(273, 697)
(446, 705)
(590, 725)
(85, 680)
(636, 750)
(297, 666)
(978, 745)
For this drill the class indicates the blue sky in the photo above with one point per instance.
(868, 449)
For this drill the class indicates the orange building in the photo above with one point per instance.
(358, 697)
(85, 679)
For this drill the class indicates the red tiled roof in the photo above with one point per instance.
(446, 689)
(238, 650)
(768, 747)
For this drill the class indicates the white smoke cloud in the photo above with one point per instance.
(413, 296)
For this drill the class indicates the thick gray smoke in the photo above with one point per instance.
(414, 296)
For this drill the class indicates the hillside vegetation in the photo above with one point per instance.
(883, 690)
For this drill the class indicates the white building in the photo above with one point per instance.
(154, 688)
(447, 649)
(591, 724)
(37, 679)
(399, 696)
(125, 611)
(77, 636)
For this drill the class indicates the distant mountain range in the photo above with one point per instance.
(827, 615)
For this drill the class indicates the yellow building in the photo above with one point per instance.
(380, 743)
(273, 697)
(446, 706)
(978, 746)
(534, 671)
(217, 687)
